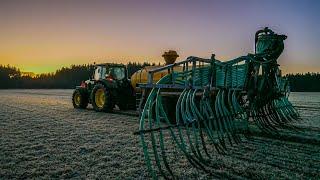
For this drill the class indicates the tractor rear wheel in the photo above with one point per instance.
(101, 99)
(79, 99)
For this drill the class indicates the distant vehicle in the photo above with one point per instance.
(109, 86)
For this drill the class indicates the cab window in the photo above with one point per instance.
(118, 73)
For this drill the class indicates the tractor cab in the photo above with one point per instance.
(110, 71)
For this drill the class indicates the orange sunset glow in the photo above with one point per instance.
(43, 36)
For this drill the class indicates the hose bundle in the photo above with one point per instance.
(214, 107)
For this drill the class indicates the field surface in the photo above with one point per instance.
(43, 136)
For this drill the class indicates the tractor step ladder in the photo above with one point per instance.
(140, 98)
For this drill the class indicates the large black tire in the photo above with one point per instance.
(123, 106)
(127, 98)
(80, 99)
(129, 104)
(169, 106)
(99, 106)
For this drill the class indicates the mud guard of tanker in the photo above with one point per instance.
(213, 103)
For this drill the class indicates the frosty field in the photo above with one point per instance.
(43, 136)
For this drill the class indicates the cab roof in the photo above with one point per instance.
(110, 64)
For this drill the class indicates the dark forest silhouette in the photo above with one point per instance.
(64, 78)
(69, 77)
(308, 82)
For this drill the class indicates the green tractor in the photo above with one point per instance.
(108, 87)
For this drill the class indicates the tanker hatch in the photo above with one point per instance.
(170, 57)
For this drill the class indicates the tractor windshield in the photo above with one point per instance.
(118, 73)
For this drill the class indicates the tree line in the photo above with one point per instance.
(69, 77)
(64, 78)
(307, 82)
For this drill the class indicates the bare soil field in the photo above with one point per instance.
(43, 136)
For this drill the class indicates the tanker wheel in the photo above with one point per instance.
(79, 99)
(170, 108)
(101, 99)
(123, 106)
(127, 104)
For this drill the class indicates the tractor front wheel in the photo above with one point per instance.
(101, 99)
(79, 99)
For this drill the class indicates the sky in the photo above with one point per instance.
(43, 35)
